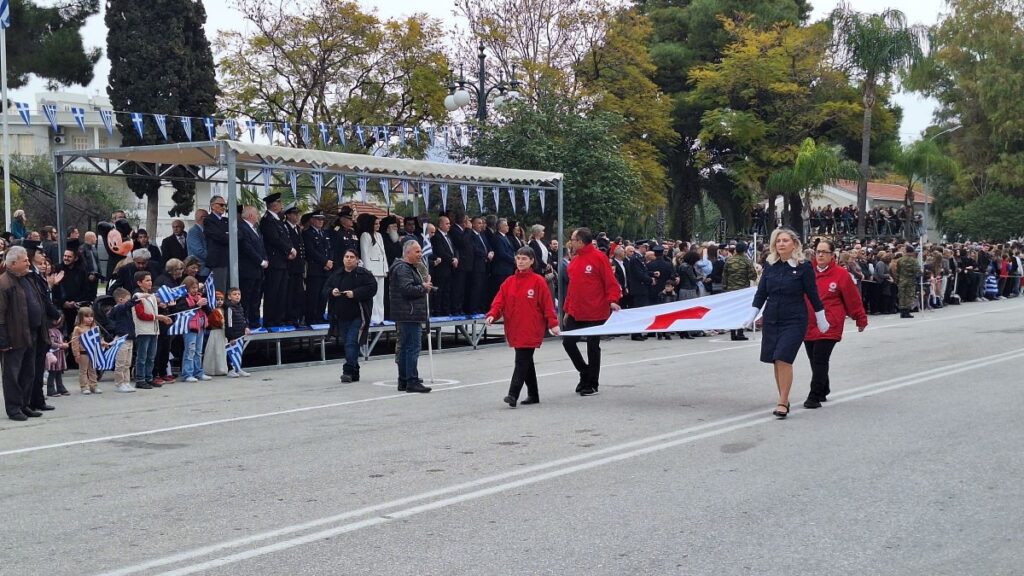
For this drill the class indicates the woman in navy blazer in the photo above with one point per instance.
(786, 281)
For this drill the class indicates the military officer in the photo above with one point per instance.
(319, 264)
(280, 252)
(907, 271)
(296, 289)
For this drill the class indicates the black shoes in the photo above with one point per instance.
(530, 400)
(143, 386)
(417, 386)
(905, 314)
(587, 392)
(779, 413)
(18, 416)
(347, 378)
(401, 386)
(31, 413)
(43, 407)
(812, 403)
(511, 401)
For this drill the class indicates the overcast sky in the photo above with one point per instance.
(917, 112)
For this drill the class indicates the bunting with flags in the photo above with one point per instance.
(268, 128)
(107, 116)
(385, 187)
(186, 125)
(232, 126)
(430, 135)
(526, 200)
(416, 134)
(79, 115)
(339, 184)
(211, 128)
(286, 131)
(496, 192)
(325, 133)
(293, 180)
(541, 195)
(360, 135)
(512, 198)
(444, 196)
(25, 112)
(318, 185)
(250, 125)
(137, 122)
(304, 131)
(167, 294)
(50, 111)
(341, 135)
(464, 190)
(425, 190)
(362, 182)
(161, 124)
(480, 197)
(405, 191)
(265, 172)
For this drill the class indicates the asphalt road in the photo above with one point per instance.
(913, 467)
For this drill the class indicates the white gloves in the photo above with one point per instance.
(754, 311)
(823, 324)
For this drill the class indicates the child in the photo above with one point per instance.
(192, 359)
(215, 361)
(56, 360)
(235, 325)
(147, 318)
(121, 316)
(87, 379)
(526, 303)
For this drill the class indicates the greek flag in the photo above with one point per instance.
(110, 355)
(181, 320)
(186, 125)
(363, 181)
(293, 180)
(167, 294)
(161, 123)
(416, 134)
(496, 192)
(341, 137)
(425, 190)
(250, 125)
(464, 189)
(360, 135)
(541, 193)
(339, 183)
(325, 134)
(23, 110)
(107, 116)
(211, 292)
(430, 134)
(137, 121)
(444, 197)
(51, 114)
(318, 185)
(234, 350)
(269, 127)
(266, 181)
(480, 197)
(401, 136)
(385, 187)
(512, 198)
(526, 199)
(405, 191)
(304, 130)
(211, 128)
(92, 343)
(5, 14)
(286, 129)
(428, 251)
(79, 115)
(232, 126)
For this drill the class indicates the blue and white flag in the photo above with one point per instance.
(23, 110)
(383, 134)
(526, 200)
(5, 14)
(161, 124)
(480, 197)
(137, 121)
(541, 192)
(293, 181)
(512, 198)
(211, 292)
(360, 135)
(250, 125)
(363, 181)
(401, 136)
(91, 341)
(325, 133)
(416, 134)
(496, 192)
(266, 181)
(50, 110)
(211, 128)
(181, 320)
(425, 190)
(79, 115)
(286, 130)
(318, 185)
(107, 116)
(168, 294)
(232, 125)
(464, 189)
(110, 354)
(339, 185)
(430, 135)
(405, 191)
(447, 130)
(428, 251)
(269, 129)
(186, 125)
(385, 187)
(304, 131)
(234, 350)
(444, 197)
(341, 135)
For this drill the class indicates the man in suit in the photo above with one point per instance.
(477, 255)
(279, 253)
(319, 264)
(175, 245)
(504, 263)
(215, 233)
(252, 263)
(458, 234)
(296, 289)
(442, 270)
(196, 242)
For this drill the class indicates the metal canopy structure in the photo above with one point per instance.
(232, 163)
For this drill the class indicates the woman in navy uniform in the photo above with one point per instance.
(786, 280)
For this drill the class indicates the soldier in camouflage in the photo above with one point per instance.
(738, 273)
(907, 271)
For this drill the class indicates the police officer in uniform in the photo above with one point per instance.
(316, 242)
(296, 289)
(343, 235)
(280, 252)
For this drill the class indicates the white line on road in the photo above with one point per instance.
(533, 474)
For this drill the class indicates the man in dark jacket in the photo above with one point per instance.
(215, 233)
(296, 285)
(319, 265)
(409, 309)
(175, 245)
(279, 253)
(443, 266)
(23, 328)
(252, 262)
(350, 291)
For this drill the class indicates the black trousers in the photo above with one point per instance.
(35, 397)
(296, 294)
(525, 372)
(590, 370)
(476, 292)
(458, 296)
(819, 352)
(275, 295)
(315, 302)
(19, 374)
(252, 292)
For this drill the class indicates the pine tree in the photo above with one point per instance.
(47, 42)
(161, 63)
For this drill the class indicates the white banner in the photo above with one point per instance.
(726, 311)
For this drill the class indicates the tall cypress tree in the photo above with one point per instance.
(161, 63)
(46, 41)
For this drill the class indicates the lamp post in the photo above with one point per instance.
(459, 91)
(928, 183)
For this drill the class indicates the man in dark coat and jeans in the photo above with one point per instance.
(408, 291)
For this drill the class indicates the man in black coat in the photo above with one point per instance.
(215, 232)
(319, 265)
(477, 255)
(279, 252)
(458, 234)
(296, 289)
(504, 263)
(252, 262)
(443, 266)
(175, 245)
(344, 235)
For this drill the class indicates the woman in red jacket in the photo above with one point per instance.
(526, 303)
(841, 299)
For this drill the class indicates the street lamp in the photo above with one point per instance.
(928, 183)
(460, 96)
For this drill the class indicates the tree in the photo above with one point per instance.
(47, 42)
(815, 166)
(330, 61)
(916, 161)
(996, 217)
(160, 63)
(551, 135)
(978, 84)
(878, 47)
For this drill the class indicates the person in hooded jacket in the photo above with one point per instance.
(350, 292)
(525, 302)
(841, 298)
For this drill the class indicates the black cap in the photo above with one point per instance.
(317, 214)
(270, 199)
(73, 245)
(388, 221)
(741, 246)
(345, 212)
(31, 244)
(293, 209)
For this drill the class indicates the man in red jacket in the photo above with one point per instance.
(591, 295)
(841, 299)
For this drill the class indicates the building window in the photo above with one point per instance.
(80, 142)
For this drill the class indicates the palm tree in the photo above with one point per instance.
(877, 47)
(914, 162)
(815, 166)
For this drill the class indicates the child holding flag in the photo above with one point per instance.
(147, 318)
(192, 359)
(235, 329)
(87, 379)
(121, 315)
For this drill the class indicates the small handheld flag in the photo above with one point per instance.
(211, 292)
(181, 320)
(168, 294)
(234, 350)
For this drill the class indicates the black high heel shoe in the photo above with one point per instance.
(779, 414)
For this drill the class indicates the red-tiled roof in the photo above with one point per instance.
(368, 208)
(882, 191)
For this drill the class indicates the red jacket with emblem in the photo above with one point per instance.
(841, 299)
(526, 303)
(592, 286)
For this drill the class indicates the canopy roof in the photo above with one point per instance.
(206, 161)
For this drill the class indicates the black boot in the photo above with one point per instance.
(905, 313)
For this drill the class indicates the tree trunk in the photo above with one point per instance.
(152, 210)
(908, 204)
(682, 202)
(865, 157)
(796, 215)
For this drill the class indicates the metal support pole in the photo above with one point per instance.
(481, 104)
(232, 219)
(7, 135)
(58, 193)
(561, 251)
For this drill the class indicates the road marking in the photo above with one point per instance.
(533, 474)
(432, 383)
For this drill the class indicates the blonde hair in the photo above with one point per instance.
(773, 255)
(83, 313)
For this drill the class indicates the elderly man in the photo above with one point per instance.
(23, 329)
(215, 233)
(195, 241)
(252, 262)
(280, 253)
(176, 245)
(409, 292)
(126, 275)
